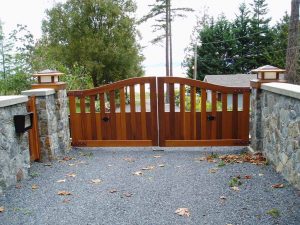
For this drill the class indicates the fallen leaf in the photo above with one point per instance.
(157, 156)
(138, 173)
(109, 165)
(183, 212)
(213, 170)
(260, 174)
(66, 201)
(47, 164)
(34, 187)
(148, 168)
(223, 197)
(67, 158)
(2, 209)
(113, 190)
(161, 165)
(273, 212)
(18, 186)
(71, 164)
(247, 177)
(64, 193)
(277, 185)
(127, 194)
(96, 181)
(71, 175)
(235, 188)
(129, 160)
(201, 159)
(61, 181)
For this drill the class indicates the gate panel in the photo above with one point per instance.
(116, 114)
(204, 114)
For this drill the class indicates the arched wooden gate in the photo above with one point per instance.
(164, 111)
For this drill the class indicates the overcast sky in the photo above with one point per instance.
(31, 13)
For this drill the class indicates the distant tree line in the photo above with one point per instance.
(238, 46)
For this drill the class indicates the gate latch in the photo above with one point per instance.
(105, 119)
(210, 117)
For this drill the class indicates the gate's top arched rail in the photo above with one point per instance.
(113, 86)
(204, 85)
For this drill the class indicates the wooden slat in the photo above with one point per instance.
(93, 117)
(161, 111)
(235, 115)
(132, 112)
(214, 114)
(102, 113)
(154, 118)
(224, 116)
(143, 111)
(192, 143)
(112, 117)
(172, 111)
(33, 134)
(193, 113)
(72, 106)
(182, 111)
(83, 118)
(203, 114)
(245, 117)
(123, 114)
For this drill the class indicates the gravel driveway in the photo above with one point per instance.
(137, 186)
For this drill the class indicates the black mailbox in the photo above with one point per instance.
(23, 122)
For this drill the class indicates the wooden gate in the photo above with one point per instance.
(33, 133)
(126, 113)
(202, 114)
(118, 114)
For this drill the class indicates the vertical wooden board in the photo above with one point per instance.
(72, 105)
(167, 135)
(93, 117)
(112, 115)
(219, 125)
(235, 116)
(83, 134)
(102, 113)
(178, 123)
(123, 114)
(203, 114)
(138, 126)
(149, 125)
(143, 112)
(34, 138)
(129, 135)
(154, 105)
(246, 116)
(225, 133)
(78, 128)
(182, 112)
(214, 115)
(118, 126)
(161, 111)
(132, 112)
(172, 112)
(198, 126)
(188, 125)
(98, 126)
(193, 113)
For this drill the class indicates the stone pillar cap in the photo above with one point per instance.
(39, 92)
(12, 100)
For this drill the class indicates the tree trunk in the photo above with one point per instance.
(292, 55)
(170, 36)
(167, 50)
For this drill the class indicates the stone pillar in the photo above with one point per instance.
(256, 119)
(53, 122)
(14, 148)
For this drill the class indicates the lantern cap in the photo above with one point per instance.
(267, 68)
(47, 73)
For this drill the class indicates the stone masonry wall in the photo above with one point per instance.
(14, 148)
(280, 127)
(62, 116)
